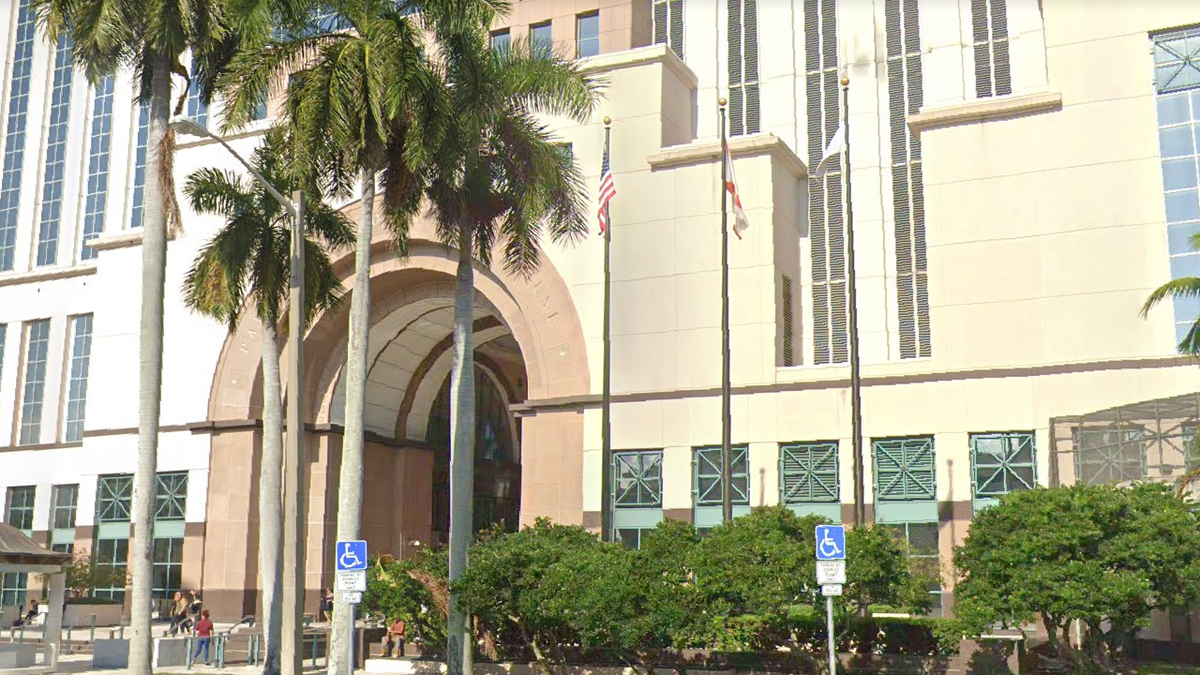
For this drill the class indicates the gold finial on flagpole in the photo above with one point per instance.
(607, 120)
(845, 81)
(721, 101)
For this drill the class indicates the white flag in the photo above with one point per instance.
(837, 145)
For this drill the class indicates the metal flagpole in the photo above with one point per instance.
(726, 431)
(860, 507)
(294, 485)
(606, 487)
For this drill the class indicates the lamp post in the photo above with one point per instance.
(293, 458)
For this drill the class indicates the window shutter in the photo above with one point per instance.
(660, 22)
(809, 472)
(675, 27)
(788, 322)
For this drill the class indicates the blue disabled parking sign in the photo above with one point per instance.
(351, 556)
(831, 542)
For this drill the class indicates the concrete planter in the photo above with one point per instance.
(9, 614)
(18, 655)
(110, 654)
(170, 652)
(79, 616)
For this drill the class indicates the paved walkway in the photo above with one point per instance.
(82, 663)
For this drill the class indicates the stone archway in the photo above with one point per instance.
(537, 319)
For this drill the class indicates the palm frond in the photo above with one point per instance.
(1185, 287)
(541, 80)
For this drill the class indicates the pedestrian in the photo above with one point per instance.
(179, 614)
(203, 631)
(327, 605)
(197, 604)
(395, 638)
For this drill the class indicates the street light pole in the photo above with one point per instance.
(295, 466)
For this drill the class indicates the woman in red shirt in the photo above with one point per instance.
(203, 631)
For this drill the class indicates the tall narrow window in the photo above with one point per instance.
(81, 351)
(989, 28)
(827, 230)
(541, 36)
(501, 40)
(637, 494)
(668, 25)
(197, 109)
(789, 328)
(905, 98)
(744, 117)
(1177, 83)
(97, 179)
(37, 348)
(18, 509)
(114, 505)
(587, 34)
(56, 152)
(63, 502)
(921, 538)
(14, 134)
(139, 167)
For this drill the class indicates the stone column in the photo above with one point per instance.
(52, 636)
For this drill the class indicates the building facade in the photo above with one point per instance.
(1024, 173)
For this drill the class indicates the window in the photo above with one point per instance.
(668, 25)
(637, 494)
(81, 350)
(114, 499)
(908, 191)
(827, 230)
(541, 37)
(1177, 82)
(13, 589)
(1109, 456)
(63, 502)
(3, 336)
(171, 497)
(14, 133)
(744, 115)
(923, 550)
(37, 349)
(1002, 463)
(789, 321)
(197, 109)
(260, 111)
(709, 486)
(168, 568)
(501, 40)
(56, 152)
(139, 167)
(587, 34)
(567, 150)
(97, 177)
(904, 469)
(63, 548)
(989, 26)
(18, 510)
(637, 479)
(112, 554)
(808, 473)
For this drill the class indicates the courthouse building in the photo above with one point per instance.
(1024, 172)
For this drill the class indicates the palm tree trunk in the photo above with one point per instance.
(459, 636)
(350, 480)
(270, 500)
(150, 349)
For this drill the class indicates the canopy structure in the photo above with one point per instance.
(1146, 441)
(20, 554)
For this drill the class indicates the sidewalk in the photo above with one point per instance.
(82, 663)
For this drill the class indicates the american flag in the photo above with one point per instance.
(608, 190)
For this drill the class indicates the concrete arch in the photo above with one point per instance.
(539, 311)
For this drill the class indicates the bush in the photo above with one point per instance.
(92, 601)
(412, 590)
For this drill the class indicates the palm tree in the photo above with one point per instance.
(1187, 288)
(497, 183)
(248, 261)
(361, 102)
(150, 38)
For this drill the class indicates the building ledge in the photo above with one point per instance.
(998, 108)
(126, 239)
(47, 274)
(631, 58)
(741, 146)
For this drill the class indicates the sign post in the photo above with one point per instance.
(831, 574)
(351, 564)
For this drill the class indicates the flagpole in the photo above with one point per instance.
(860, 507)
(606, 498)
(726, 430)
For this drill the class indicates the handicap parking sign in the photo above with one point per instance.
(351, 555)
(831, 542)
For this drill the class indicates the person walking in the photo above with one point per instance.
(203, 631)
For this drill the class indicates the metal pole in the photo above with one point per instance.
(295, 463)
(350, 642)
(860, 507)
(726, 431)
(829, 630)
(606, 489)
